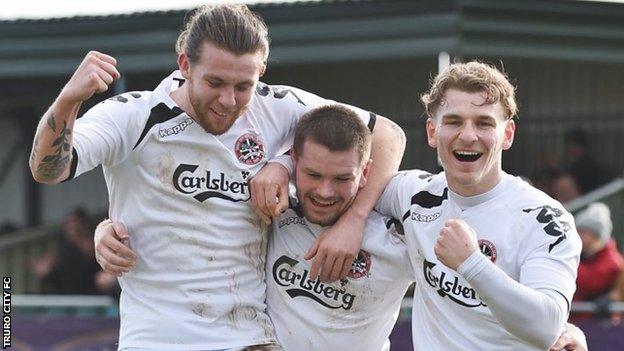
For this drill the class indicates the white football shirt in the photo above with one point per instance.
(357, 313)
(524, 232)
(198, 283)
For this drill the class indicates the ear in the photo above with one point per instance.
(431, 132)
(262, 70)
(365, 173)
(184, 65)
(510, 131)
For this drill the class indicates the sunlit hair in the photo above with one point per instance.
(472, 77)
(335, 127)
(230, 27)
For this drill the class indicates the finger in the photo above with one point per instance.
(97, 83)
(110, 69)
(104, 57)
(346, 268)
(118, 248)
(313, 250)
(271, 198)
(120, 231)
(326, 268)
(105, 76)
(264, 218)
(317, 263)
(114, 270)
(282, 200)
(116, 259)
(336, 269)
(257, 193)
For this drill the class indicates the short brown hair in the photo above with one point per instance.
(472, 77)
(234, 28)
(335, 127)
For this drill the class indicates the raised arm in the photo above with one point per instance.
(335, 249)
(50, 157)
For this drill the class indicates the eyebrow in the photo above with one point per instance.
(309, 170)
(221, 80)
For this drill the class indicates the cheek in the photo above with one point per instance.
(243, 99)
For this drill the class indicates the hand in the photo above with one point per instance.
(110, 252)
(456, 242)
(42, 265)
(335, 249)
(94, 74)
(572, 339)
(269, 191)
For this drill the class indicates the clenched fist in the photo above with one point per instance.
(96, 72)
(456, 242)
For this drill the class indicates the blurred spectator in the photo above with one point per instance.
(107, 284)
(543, 180)
(7, 227)
(601, 263)
(587, 172)
(71, 269)
(564, 188)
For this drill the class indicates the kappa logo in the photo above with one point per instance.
(460, 294)
(249, 149)
(555, 226)
(209, 185)
(425, 218)
(299, 284)
(360, 267)
(180, 127)
(488, 249)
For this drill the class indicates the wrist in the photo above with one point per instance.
(67, 103)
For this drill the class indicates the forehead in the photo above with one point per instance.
(318, 158)
(223, 64)
(464, 104)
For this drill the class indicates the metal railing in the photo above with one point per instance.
(612, 194)
(19, 248)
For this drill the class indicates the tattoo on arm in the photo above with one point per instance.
(53, 165)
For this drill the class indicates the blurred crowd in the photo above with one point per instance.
(70, 267)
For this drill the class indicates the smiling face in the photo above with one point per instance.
(327, 181)
(219, 86)
(470, 137)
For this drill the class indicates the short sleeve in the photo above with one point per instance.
(105, 134)
(551, 259)
(395, 201)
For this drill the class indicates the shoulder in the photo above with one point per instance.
(413, 181)
(126, 104)
(284, 96)
(543, 218)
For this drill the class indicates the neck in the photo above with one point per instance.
(180, 97)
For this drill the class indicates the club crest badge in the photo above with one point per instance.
(488, 249)
(361, 265)
(249, 149)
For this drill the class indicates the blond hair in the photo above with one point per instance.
(472, 77)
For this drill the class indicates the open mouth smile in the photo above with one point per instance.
(467, 156)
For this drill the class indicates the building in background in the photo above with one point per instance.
(567, 58)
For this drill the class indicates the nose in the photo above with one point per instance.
(227, 98)
(325, 189)
(468, 133)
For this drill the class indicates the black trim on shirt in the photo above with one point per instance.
(159, 114)
(565, 298)
(372, 121)
(426, 199)
(73, 166)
